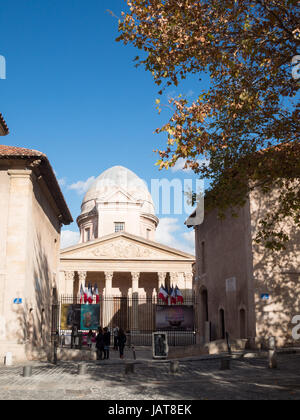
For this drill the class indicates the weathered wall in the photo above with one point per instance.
(276, 274)
(4, 198)
(231, 252)
(225, 275)
(29, 262)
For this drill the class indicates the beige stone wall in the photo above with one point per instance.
(231, 253)
(29, 235)
(223, 272)
(276, 274)
(4, 194)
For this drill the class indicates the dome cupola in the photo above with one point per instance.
(117, 201)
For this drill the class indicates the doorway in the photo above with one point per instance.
(222, 324)
(243, 327)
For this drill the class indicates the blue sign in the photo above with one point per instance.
(265, 296)
(18, 301)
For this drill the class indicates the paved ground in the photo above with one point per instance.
(197, 380)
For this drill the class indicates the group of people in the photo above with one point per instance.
(103, 342)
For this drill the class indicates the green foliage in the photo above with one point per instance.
(250, 107)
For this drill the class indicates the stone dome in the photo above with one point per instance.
(121, 193)
(118, 178)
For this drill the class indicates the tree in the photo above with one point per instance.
(245, 123)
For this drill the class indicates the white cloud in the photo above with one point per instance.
(179, 165)
(166, 229)
(62, 182)
(81, 187)
(169, 233)
(190, 238)
(69, 238)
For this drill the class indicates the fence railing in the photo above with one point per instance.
(137, 316)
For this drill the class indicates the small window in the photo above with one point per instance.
(87, 235)
(119, 227)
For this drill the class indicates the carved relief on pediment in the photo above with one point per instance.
(121, 249)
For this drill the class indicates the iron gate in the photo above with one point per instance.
(136, 316)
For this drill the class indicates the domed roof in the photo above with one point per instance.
(115, 179)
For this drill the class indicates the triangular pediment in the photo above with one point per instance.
(122, 246)
(119, 195)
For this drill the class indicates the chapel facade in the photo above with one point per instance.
(118, 252)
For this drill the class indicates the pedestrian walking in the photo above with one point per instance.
(106, 340)
(121, 342)
(100, 344)
(116, 333)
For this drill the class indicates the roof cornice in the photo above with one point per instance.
(39, 163)
(3, 126)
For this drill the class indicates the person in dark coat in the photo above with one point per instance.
(121, 342)
(106, 340)
(100, 344)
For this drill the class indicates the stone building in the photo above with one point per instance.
(32, 213)
(3, 127)
(117, 249)
(243, 288)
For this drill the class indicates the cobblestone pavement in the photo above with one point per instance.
(196, 380)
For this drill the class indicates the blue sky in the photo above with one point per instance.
(74, 93)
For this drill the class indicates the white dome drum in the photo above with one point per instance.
(117, 201)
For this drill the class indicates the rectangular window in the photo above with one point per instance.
(203, 258)
(87, 235)
(119, 227)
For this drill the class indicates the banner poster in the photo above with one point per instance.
(90, 317)
(83, 317)
(180, 318)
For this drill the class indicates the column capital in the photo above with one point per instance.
(162, 276)
(82, 276)
(69, 283)
(189, 276)
(69, 275)
(135, 276)
(173, 278)
(109, 275)
(135, 282)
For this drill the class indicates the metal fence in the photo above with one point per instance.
(137, 316)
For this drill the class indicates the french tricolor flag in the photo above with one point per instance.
(96, 291)
(173, 296)
(85, 295)
(82, 294)
(179, 296)
(90, 295)
(163, 294)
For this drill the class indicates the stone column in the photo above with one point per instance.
(82, 279)
(161, 279)
(69, 278)
(189, 284)
(173, 279)
(108, 304)
(135, 301)
(135, 282)
(108, 283)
